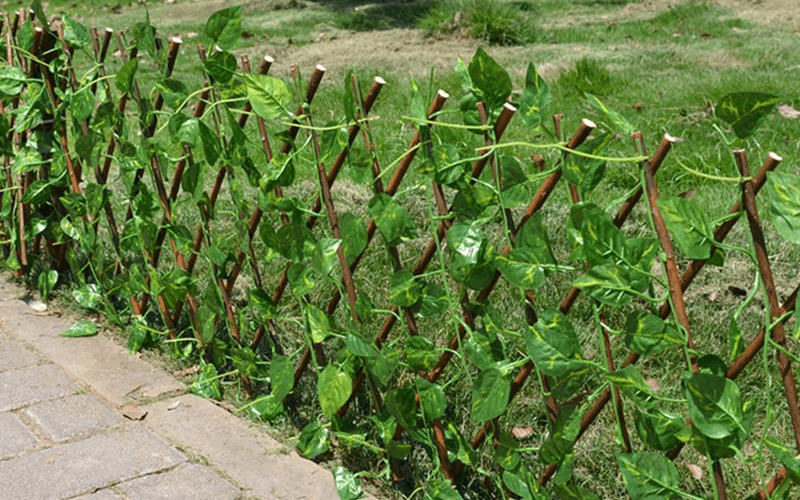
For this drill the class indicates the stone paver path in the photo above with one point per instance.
(63, 434)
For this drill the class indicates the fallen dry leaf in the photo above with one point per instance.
(654, 384)
(187, 371)
(788, 111)
(522, 432)
(713, 296)
(133, 412)
(696, 471)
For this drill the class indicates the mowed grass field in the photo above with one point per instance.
(662, 65)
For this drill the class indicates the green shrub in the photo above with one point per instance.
(495, 21)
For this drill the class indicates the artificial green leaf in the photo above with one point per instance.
(347, 484)
(12, 81)
(433, 302)
(279, 172)
(744, 110)
(220, 66)
(333, 389)
(467, 242)
(735, 340)
(383, 366)
(81, 104)
(281, 376)
(783, 193)
(615, 121)
(319, 324)
(82, 328)
(38, 192)
(138, 335)
(354, 236)
(432, 400)
(421, 353)
(448, 167)
(489, 79)
(649, 476)
(360, 347)
(438, 489)
(607, 283)
(512, 173)
(489, 395)
(314, 440)
(46, 281)
(301, 278)
(207, 383)
(189, 133)
(715, 405)
(603, 242)
(325, 258)
(632, 384)
(224, 27)
(484, 349)
(586, 173)
(88, 296)
(789, 460)
(267, 407)
(75, 33)
(401, 404)
(533, 236)
(658, 429)
(572, 492)
(646, 334)
(520, 268)
(689, 226)
(174, 92)
(347, 97)
(404, 290)
(553, 344)
(534, 105)
(124, 79)
(392, 219)
(269, 96)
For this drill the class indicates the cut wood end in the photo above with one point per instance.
(589, 123)
(775, 156)
(176, 39)
(269, 59)
(443, 94)
(110, 30)
(670, 138)
(38, 29)
(739, 151)
(510, 107)
(380, 81)
(320, 67)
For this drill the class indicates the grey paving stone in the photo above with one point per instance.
(260, 465)
(14, 355)
(14, 436)
(84, 466)
(67, 418)
(187, 481)
(24, 387)
(100, 495)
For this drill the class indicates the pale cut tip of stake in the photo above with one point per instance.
(443, 94)
(109, 30)
(510, 107)
(380, 81)
(176, 39)
(320, 67)
(589, 123)
(775, 156)
(269, 59)
(670, 138)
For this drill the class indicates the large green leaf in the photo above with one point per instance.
(689, 226)
(207, 383)
(404, 289)
(46, 281)
(744, 110)
(432, 400)
(658, 429)
(439, 489)
(603, 242)
(320, 325)
(75, 33)
(715, 405)
(608, 284)
(649, 476)
(220, 66)
(334, 387)
(489, 79)
(553, 344)
(402, 405)
(12, 81)
(224, 27)
(783, 192)
(354, 236)
(347, 484)
(789, 460)
(360, 347)
(433, 302)
(421, 353)
(534, 104)
(391, 218)
(632, 384)
(281, 376)
(584, 172)
(489, 395)
(314, 440)
(269, 96)
(82, 328)
(520, 268)
(615, 121)
(646, 333)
